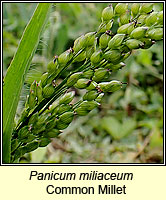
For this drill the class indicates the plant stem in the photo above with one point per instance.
(58, 94)
(48, 101)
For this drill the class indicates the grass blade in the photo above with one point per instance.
(17, 70)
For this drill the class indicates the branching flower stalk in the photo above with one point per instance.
(49, 108)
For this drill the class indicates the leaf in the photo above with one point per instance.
(156, 139)
(128, 126)
(17, 70)
(116, 129)
(144, 57)
(112, 126)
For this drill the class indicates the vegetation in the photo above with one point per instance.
(107, 86)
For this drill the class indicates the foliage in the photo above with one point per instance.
(135, 110)
(17, 70)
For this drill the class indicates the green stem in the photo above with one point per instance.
(61, 88)
(77, 104)
(67, 65)
(47, 101)
(58, 94)
(17, 71)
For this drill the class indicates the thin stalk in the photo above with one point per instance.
(67, 65)
(77, 104)
(50, 100)
(47, 102)
(59, 93)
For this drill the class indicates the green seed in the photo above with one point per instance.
(107, 13)
(89, 51)
(39, 128)
(81, 111)
(151, 19)
(113, 56)
(155, 34)
(109, 25)
(100, 74)
(43, 142)
(67, 98)
(80, 57)
(31, 99)
(105, 26)
(84, 41)
(48, 90)
(130, 28)
(102, 28)
(23, 132)
(135, 8)
(88, 74)
(89, 38)
(111, 86)
(63, 108)
(141, 19)
(89, 105)
(124, 49)
(30, 147)
(82, 83)
(90, 95)
(42, 118)
(99, 98)
(50, 124)
(115, 67)
(52, 134)
(103, 40)
(73, 79)
(33, 87)
(134, 44)
(121, 8)
(66, 117)
(28, 139)
(146, 7)
(33, 119)
(39, 92)
(92, 86)
(108, 66)
(116, 41)
(96, 57)
(126, 55)
(77, 44)
(65, 57)
(147, 42)
(139, 32)
(84, 105)
(40, 125)
(92, 105)
(124, 28)
(44, 79)
(160, 17)
(54, 110)
(61, 126)
(51, 67)
(125, 18)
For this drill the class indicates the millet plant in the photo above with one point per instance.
(50, 106)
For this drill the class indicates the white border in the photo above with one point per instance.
(83, 164)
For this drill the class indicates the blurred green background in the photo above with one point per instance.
(128, 127)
